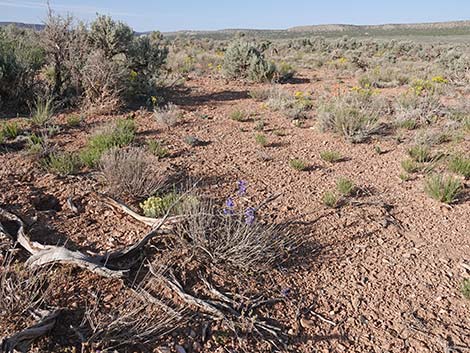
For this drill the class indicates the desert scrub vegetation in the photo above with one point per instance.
(117, 134)
(420, 153)
(345, 186)
(383, 78)
(62, 163)
(293, 106)
(238, 115)
(131, 171)
(169, 115)
(443, 188)
(158, 206)
(243, 60)
(465, 288)
(460, 164)
(412, 110)
(232, 240)
(354, 115)
(101, 66)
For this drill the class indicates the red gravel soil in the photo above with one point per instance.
(380, 273)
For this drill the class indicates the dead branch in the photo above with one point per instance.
(47, 254)
(21, 340)
(145, 220)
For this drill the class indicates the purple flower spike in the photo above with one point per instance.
(285, 292)
(229, 205)
(250, 216)
(241, 185)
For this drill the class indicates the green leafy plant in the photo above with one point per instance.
(119, 134)
(443, 189)
(158, 206)
(330, 156)
(345, 186)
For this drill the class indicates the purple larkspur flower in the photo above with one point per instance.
(241, 185)
(229, 205)
(250, 215)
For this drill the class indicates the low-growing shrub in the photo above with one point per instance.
(62, 163)
(353, 115)
(131, 171)
(413, 110)
(330, 156)
(465, 288)
(233, 241)
(158, 206)
(460, 164)
(443, 189)
(168, 116)
(74, 120)
(243, 60)
(118, 134)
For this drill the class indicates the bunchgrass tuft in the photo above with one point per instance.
(410, 166)
(460, 164)
(330, 156)
(420, 153)
(42, 112)
(261, 140)
(298, 164)
(330, 199)
(157, 149)
(238, 115)
(10, 130)
(465, 288)
(443, 189)
(345, 186)
(62, 163)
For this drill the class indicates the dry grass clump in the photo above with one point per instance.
(412, 110)
(232, 240)
(131, 171)
(139, 317)
(23, 291)
(168, 116)
(354, 115)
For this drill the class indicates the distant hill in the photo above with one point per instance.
(37, 27)
(436, 29)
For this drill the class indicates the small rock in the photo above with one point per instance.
(180, 349)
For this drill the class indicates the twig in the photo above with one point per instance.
(322, 318)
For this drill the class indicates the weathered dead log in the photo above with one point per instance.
(22, 340)
(47, 254)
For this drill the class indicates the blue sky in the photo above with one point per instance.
(169, 15)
